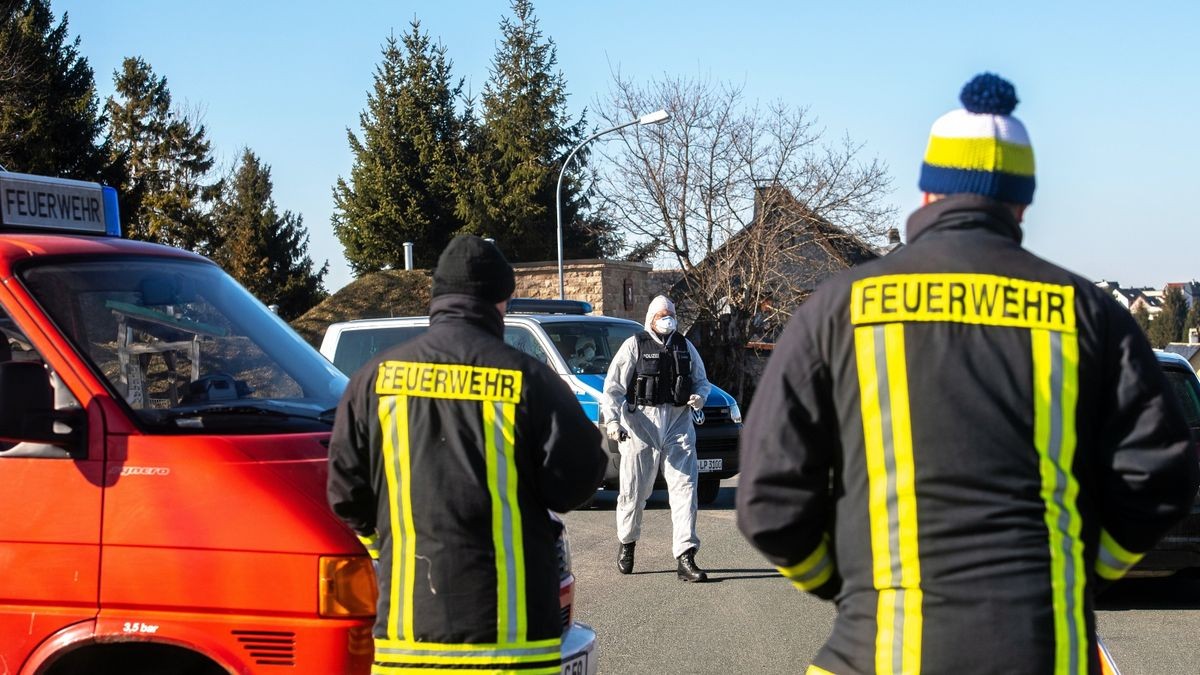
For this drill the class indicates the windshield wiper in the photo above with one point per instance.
(186, 418)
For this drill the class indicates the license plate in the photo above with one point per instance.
(575, 666)
(707, 465)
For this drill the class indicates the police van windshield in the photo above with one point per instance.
(588, 346)
(186, 347)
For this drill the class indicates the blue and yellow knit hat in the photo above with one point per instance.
(981, 149)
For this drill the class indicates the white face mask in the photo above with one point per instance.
(588, 353)
(665, 325)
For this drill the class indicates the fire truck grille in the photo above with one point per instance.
(268, 648)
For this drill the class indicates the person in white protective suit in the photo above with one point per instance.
(654, 382)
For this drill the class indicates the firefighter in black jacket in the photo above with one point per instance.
(960, 442)
(447, 452)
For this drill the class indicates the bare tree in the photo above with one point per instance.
(747, 200)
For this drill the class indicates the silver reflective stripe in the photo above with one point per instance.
(815, 572)
(1107, 557)
(893, 499)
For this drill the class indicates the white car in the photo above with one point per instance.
(551, 331)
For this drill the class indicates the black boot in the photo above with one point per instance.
(688, 571)
(625, 558)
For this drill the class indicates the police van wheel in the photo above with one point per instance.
(708, 491)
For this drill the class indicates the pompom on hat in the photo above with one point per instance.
(981, 148)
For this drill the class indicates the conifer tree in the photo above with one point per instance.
(265, 251)
(407, 163)
(1168, 325)
(1141, 316)
(509, 191)
(1193, 319)
(166, 197)
(49, 112)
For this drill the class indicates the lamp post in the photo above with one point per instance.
(657, 117)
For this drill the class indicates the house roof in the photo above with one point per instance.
(822, 248)
(1183, 349)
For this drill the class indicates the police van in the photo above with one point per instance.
(579, 347)
(163, 448)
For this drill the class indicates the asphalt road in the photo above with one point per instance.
(749, 620)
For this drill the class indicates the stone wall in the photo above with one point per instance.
(615, 288)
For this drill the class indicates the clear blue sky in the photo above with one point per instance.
(1109, 90)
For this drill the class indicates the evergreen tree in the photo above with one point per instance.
(509, 192)
(167, 158)
(1193, 319)
(265, 251)
(49, 112)
(408, 162)
(1141, 316)
(1168, 325)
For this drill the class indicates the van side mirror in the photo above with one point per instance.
(27, 406)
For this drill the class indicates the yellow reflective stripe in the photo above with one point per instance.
(1078, 578)
(466, 659)
(892, 506)
(980, 154)
(498, 544)
(508, 429)
(885, 631)
(1054, 438)
(868, 384)
(382, 643)
(1114, 560)
(802, 573)
(387, 427)
(385, 669)
(817, 670)
(371, 543)
(499, 420)
(410, 529)
(979, 299)
(906, 496)
(1040, 343)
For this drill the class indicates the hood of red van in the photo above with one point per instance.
(299, 459)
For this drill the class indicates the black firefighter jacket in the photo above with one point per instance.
(959, 442)
(451, 447)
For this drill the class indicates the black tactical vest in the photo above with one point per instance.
(663, 373)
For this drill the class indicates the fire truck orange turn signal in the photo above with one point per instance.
(347, 586)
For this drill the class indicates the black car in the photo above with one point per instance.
(1179, 549)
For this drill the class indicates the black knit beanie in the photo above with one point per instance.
(474, 266)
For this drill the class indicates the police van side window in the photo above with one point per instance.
(16, 348)
(523, 339)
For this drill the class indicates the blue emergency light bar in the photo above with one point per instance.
(29, 202)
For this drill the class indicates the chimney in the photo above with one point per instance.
(762, 191)
(893, 236)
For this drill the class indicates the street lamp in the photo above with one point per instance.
(656, 117)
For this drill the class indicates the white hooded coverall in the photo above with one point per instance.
(656, 435)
